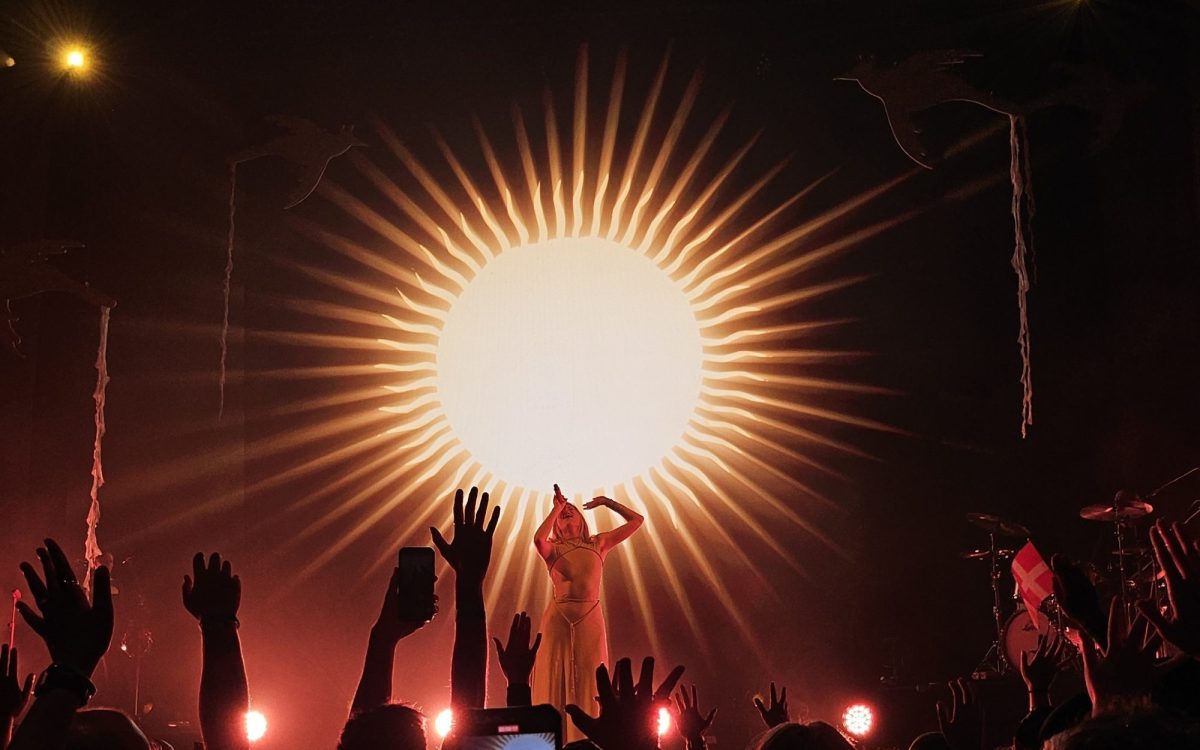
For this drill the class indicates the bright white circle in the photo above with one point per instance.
(575, 361)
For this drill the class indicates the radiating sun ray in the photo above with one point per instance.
(645, 194)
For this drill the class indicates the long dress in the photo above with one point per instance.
(574, 639)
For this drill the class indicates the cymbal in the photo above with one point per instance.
(983, 554)
(997, 525)
(1124, 512)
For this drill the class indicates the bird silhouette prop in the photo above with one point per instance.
(919, 83)
(25, 271)
(306, 146)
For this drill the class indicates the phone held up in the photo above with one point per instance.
(515, 728)
(416, 584)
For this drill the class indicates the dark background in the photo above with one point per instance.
(131, 162)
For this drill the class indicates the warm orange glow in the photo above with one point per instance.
(74, 59)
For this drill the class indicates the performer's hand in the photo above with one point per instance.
(559, 498)
(692, 724)
(597, 502)
(388, 627)
(776, 713)
(961, 723)
(13, 693)
(470, 552)
(212, 592)
(628, 713)
(1179, 560)
(516, 659)
(77, 632)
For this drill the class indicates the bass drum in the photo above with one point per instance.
(1021, 635)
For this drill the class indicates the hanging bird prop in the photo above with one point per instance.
(25, 271)
(308, 148)
(924, 81)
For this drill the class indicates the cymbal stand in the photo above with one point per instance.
(994, 663)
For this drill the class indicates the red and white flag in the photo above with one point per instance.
(1034, 579)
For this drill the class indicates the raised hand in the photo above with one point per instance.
(1179, 559)
(961, 723)
(212, 593)
(388, 627)
(777, 712)
(77, 632)
(516, 659)
(597, 502)
(691, 722)
(628, 714)
(559, 498)
(14, 693)
(1040, 666)
(470, 552)
(1123, 673)
(1077, 596)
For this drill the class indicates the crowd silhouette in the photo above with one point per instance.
(1135, 696)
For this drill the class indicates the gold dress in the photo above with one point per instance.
(574, 639)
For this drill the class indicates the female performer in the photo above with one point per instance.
(574, 641)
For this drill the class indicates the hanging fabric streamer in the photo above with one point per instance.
(228, 284)
(1022, 208)
(91, 547)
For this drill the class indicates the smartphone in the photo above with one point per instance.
(518, 728)
(416, 584)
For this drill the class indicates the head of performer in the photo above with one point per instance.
(571, 524)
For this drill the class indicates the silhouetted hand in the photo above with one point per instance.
(516, 660)
(76, 632)
(1179, 559)
(388, 626)
(692, 724)
(776, 713)
(559, 498)
(1040, 666)
(212, 593)
(1122, 673)
(13, 693)
(961, 723)
(628, 717)
(470, 552)
(1077, 595)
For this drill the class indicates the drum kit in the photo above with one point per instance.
(1131, 574)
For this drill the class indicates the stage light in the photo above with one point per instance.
(74, 59)
(256, 725)
(443, 723)
(858, 720)
(9, 62)
(664, 721)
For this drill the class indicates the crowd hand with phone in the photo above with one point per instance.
(516, 659)
(213, 594)
(691, 722)
(76, 632)
(628, 712)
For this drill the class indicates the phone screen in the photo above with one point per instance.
(524, 741)
(416, 584)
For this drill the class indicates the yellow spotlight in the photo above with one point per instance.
(74, 59)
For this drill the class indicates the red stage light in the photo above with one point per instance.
(664, 721)
(858, 720)
(443, 723)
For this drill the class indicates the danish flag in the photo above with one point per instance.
(1033, 577)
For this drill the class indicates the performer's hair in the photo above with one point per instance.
(587, 532)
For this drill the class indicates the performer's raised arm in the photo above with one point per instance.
(541, 537)
(633, 522)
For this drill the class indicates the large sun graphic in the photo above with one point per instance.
(605, 307)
